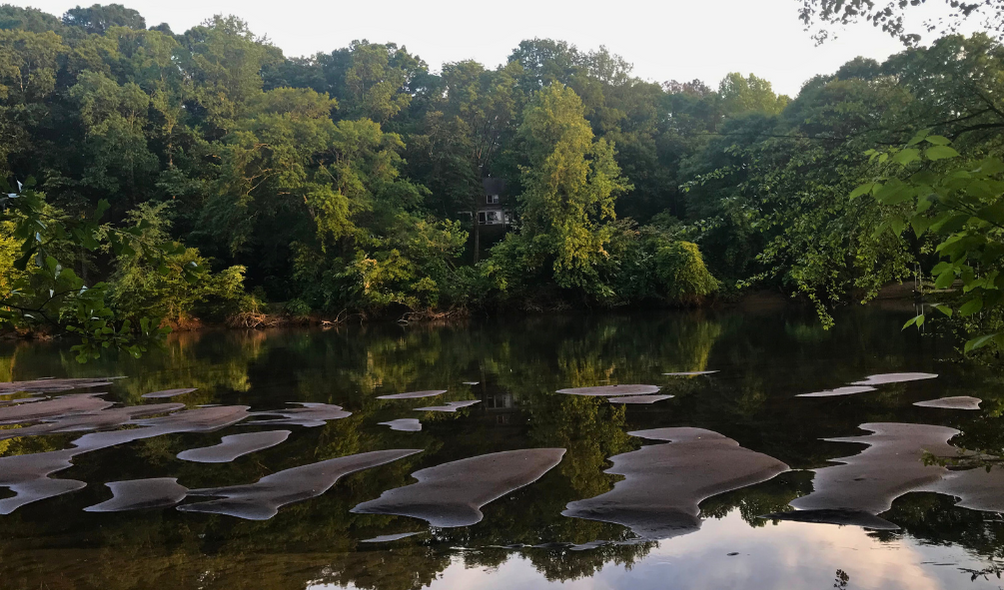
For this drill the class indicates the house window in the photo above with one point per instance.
(482, 218)
(492, 199)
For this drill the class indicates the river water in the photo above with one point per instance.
(518, 489)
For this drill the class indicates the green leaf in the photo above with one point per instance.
(981, 189)
(991, 166)
(993, 213)
(979, 342)
(937, 140)
(919, 137)
(943, 308)
(950, 225)
(924, 203)
(920, 223)
(944, 280)
(970, 307)
(864, 189)
(941, 267)
(894, 192)
(906, 156)
(916, 320)
(940, 152)
(99, 211)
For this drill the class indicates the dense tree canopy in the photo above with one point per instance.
(351, 181)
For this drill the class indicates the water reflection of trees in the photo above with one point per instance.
(519, 365)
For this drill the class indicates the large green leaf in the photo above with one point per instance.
(940, 152)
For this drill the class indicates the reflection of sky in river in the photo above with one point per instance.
(786, 556)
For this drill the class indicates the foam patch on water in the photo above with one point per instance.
(389, 538)
(21, 400)
(413, 394)
(884, 378)
(836, 516)
(450, 406)
(956, 402)
(404, 424)
(206, 419)
(690, 373)
(839, 391)
(28, 475)
(90, 421)
(867, 483)
(52, 408)
(309, 414)
(452, 494)
(234, 446)
(664, 483)
(639, 399)
(976, 488)
(54, 385)
(168, 393)
(141, 494)
(262, 500)
(612, 390)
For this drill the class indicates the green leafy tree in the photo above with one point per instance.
(749, 95)
(175, 287)
(98, 18)
(45, 294)
(929, 188)
(570, 184)
(464, 134)
(28, 67)
(115, 117)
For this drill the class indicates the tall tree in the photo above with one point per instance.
(98, 18)
(28, 67)
(751, 94)
(570, 185)
(465, 130)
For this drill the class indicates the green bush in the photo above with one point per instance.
(140, 289)
(681, 275)
(652, 266)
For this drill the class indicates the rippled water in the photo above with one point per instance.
(520, 484)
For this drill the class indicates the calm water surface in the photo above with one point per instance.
(764, 359)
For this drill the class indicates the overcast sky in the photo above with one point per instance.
(674, 39)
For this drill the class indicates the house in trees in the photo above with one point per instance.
(492, 209)
(491, 215)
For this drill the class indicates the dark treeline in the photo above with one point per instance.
(352, 180)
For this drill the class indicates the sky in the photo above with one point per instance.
(669, 40)
(728, 553)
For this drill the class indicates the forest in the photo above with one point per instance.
(156, 179)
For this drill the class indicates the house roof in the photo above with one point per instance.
(493, 186)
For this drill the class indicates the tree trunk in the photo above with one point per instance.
(477, 237)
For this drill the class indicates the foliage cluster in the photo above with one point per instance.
(350, 181)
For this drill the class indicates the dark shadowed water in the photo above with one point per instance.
(521, 484)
